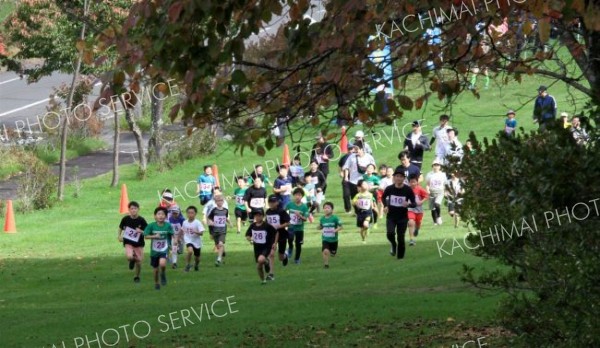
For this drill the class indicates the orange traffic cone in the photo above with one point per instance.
(215, 171)
(9, 224)
(344, 141)
(286, 156)
(124, 209)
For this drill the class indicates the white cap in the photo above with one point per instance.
(359, 134)
(564, 114)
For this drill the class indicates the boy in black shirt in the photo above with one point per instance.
(397, 198)
(279, 219)
(131, 234)
(262, 236)
(255, 198)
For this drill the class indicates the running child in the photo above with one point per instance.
(210, 205)
(283, 186)
(280, 220)
(454, 193)
(193, 231)
(415, 215)
(320, 181)
(218, 218)
(166, 199)
(330, 225)
(436, 182)
(386, 180)
(131, 234)
(160, 232)
(310, 192)
(363, 201)
(176, 220)
(396, 199)
(241, 214)
(206, 185)
(298, 214)
(296, 170)
(373, 180)
(255, 198)
(258, 173)
(262, 236)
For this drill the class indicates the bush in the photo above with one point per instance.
(196, 143)
(553, 274)
(36, 188)
(14, 161)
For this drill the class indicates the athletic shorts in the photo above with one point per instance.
(219, 237)
(155, 260)
(261, 249)
(418, 217)
(331, 246)
(379, 195)
(362, 216)
(205, 199)
(130, 250)
(282, 243)
(242, 214)
(196, 250)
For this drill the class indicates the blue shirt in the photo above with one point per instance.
(283, 182)
(510, 125)
(207, 184)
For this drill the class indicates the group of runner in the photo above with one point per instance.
(277, 220)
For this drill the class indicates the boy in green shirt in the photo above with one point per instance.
(371, 178)
(298, 212)
(241, 215)
(160, 232)
(330, 225)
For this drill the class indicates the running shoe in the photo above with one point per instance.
(163, 279)
(187, 268)
(270, 276)
(411, 242)
(157, 286)
(136, 279)
(285, 260)
(131, 264)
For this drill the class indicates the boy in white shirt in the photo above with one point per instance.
(192, 236)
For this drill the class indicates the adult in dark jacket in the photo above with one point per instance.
(416, 143)
(544, 109)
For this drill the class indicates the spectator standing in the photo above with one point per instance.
(416, 143)
(544, 109)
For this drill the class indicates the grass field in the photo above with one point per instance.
(64, 275)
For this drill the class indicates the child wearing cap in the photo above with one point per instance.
(262, 236)
(510, 124)
(280, 220)
(166, 199)
(176, 220)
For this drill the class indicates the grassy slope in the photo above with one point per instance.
(64, 276)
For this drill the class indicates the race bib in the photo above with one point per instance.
(239, 200)
(131, 234)
(436, 184)
(190, 231)
(176, 228)
(288, 189)
(397, 201)
(273, 220)
(257, 202)
(206, 186)
(160, 245)
(329, 232)
(294, 219)
(364, 203)
(315, 180)
(259, 237)
(220, 221)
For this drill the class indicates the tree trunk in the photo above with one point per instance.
(156, 112)
(137, 133)
(65, 121)
(115, 177)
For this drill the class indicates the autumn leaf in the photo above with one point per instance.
(175, 11)
(405, 102)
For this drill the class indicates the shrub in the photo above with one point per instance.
(36, 188)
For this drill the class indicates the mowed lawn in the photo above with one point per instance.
(64, 276)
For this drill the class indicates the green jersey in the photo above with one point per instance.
(330, 224)
(160, 247)
(296, 223)
(239, 198)
(372, 179)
